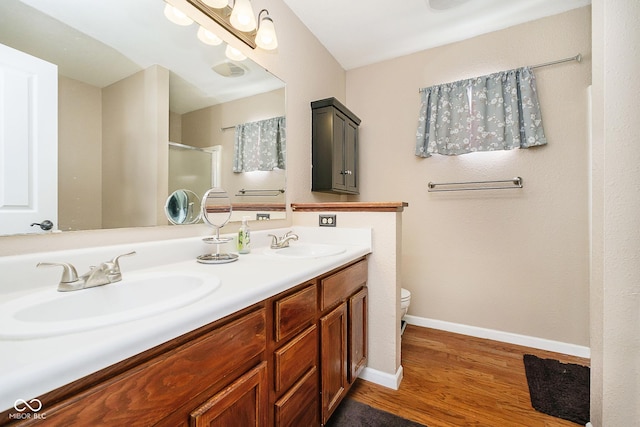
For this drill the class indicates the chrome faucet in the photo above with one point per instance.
(103, 274)
(282, 242)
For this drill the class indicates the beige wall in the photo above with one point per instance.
(133, 152)
(615, 286)
(512, 260)
(79, 155)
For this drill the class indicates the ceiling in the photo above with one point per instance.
(362, 32)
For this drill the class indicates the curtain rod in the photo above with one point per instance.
(233, 127)
(577, 58)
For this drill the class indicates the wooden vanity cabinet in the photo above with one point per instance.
(169, 385)
(286, 361)
(343, 323)
(334, 142)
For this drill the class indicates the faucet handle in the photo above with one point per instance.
(69, 273)
(274, 239)
(115, 265)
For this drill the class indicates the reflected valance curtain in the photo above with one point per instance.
(499, 111)
(260, 146)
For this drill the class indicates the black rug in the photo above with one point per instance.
(558, 389)
(351, 413)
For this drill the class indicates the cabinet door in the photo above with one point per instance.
(243, 403)
(333, 336)
(322, 149)
(357, 326)
(350, 157)
(340, 125)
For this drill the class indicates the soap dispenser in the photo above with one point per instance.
(244, 236)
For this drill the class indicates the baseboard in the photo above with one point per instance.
(382, 378)
(508, 337)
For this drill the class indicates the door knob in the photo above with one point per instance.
(45, 225)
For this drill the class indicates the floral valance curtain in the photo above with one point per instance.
(260, 146)
(499, 111)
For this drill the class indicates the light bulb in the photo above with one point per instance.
(176, 16)
(266, 36)
(234, 54)
(207, 37)
(242, 17)
(216, 4)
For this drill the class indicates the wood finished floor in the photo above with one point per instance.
(453, 380)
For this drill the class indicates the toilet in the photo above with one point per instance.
(405, 300)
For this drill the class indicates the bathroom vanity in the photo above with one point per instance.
(279, 342)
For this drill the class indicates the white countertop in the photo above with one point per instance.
(30, 368)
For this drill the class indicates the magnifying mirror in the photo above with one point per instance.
(183, 207)
(216, 211)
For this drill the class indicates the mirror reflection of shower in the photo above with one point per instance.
(193, 168)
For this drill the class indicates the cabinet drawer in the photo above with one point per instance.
(341, 285)
(152, 391)
(296, 358)
(299, 406)
(294, 313)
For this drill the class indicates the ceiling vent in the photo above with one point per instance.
(229, 69)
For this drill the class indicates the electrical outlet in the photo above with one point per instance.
(327, 220)
(263, 217)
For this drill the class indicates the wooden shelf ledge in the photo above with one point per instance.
(350, 206)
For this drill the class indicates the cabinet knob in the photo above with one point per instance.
(347, 172)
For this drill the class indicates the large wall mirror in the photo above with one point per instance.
(144, 109)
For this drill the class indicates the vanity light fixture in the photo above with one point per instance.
(234, 54)
(266, 36)
(242, 17)
(177, 16)
(207, 37)
(238, 18)
(217, 4)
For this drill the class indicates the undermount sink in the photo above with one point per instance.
(48, 312)
(306, 250)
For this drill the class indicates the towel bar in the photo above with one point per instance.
(479, 185)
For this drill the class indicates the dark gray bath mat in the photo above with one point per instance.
(351, 413)
(558, 389)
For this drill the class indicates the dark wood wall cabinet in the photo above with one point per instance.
(286, 361)
(335, 148)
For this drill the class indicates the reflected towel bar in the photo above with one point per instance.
(275, 192)
(479, 185)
